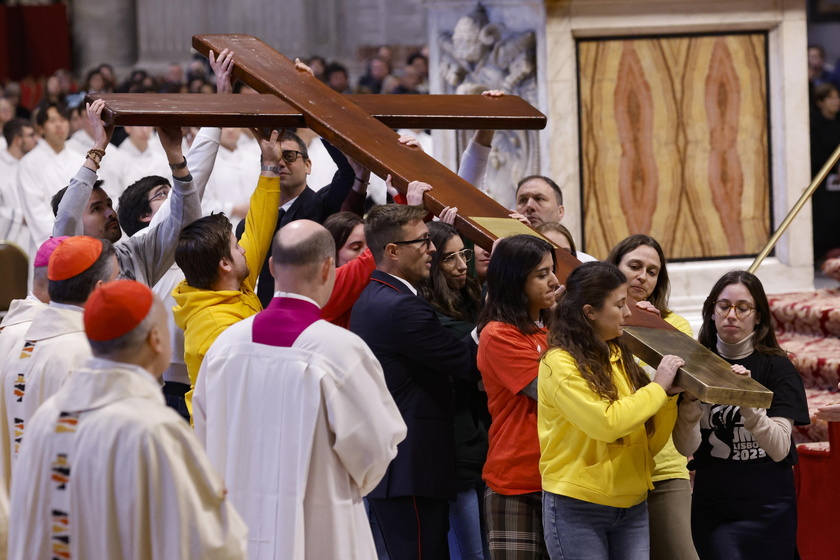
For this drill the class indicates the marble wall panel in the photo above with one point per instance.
(784, 22)
(675, 143)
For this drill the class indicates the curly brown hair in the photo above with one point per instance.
(590, 284)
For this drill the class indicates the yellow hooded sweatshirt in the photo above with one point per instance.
(593, 450)
(205, 314)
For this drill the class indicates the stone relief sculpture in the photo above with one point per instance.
(479, 55)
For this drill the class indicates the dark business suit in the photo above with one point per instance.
(309, 205)
(418, 356)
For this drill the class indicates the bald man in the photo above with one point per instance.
(108, 470)
(296, 414)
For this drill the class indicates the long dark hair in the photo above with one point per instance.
(462, 304)
(765, 337)
(340, 226)
(513, 259)
(590, 284)
(659, 296)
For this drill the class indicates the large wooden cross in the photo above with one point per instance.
(361, 126)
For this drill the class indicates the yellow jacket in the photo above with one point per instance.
(205, 314)
(592, 450)
(670, 463)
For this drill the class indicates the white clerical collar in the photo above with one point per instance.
(97, 362)
(57, 305)
(406, 282)
(296, 296)
(736, 350)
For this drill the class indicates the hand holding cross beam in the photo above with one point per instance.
(360, 126)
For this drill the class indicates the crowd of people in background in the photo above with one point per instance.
(382, 74)
(824, 84)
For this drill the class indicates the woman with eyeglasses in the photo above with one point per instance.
(521, 288)
(455, 296)
(641, 259)
(601, 422)
(744, 501)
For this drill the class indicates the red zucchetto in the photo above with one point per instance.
(73, 256)
(116, 308)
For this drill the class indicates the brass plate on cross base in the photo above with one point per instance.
(505, 227)
(705, 374)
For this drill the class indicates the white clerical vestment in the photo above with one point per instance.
(15, 324)
(233, 179)
(12, 226)
(134, 164)
(42, 173)
(12, 332)
(109, 472)
(110, 168)
(300, 426)
(54, 343)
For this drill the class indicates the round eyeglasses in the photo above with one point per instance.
(465, 255)
(161, 195)
(742, 308)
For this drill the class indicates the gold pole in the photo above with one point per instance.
(806, 195)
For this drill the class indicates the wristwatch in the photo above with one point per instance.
(177, 166)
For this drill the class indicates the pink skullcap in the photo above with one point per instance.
(42, 257)
(116, 308)
(73, 256)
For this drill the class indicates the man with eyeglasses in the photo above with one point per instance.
(299, 202)
(418, 356)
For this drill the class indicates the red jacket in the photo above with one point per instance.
(350, 280)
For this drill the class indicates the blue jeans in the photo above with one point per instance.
(465, 534)
(578, 530)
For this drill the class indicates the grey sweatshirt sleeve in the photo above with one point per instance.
(687, 429)
(474, 164)
(151, 255)
(68, 221)
(771, 433)
(201, 159)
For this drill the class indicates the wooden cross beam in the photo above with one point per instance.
(344, 121)
(265, 110)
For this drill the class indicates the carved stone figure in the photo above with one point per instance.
(479, 55)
